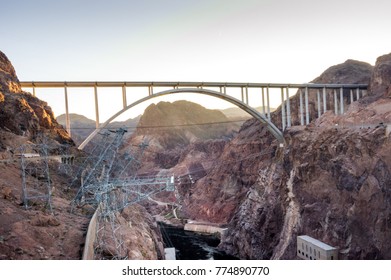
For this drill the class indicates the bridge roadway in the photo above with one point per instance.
(218, 90)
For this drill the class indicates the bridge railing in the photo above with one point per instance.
(311, 99)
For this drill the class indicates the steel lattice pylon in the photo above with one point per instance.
(108, 182)
(35, 173)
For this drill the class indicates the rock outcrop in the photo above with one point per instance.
(332, 181)
(139, 233)
(39, 232)
(35, 233)
(8, 80)
(349, 72)
(380, 80)
(177, 124)
(23, 114)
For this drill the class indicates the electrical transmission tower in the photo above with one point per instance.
(35, 173)
(108, 181)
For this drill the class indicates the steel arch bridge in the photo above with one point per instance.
(219, 90)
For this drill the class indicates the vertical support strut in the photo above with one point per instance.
(33, 90)
(324, 100)
(341, 97)
(263, 102)
(247, 95)
(301, 107)
(318, 100)
(335, 102)
(242, 93)
(282, 109)
(268, 103)
(124, 101)
(96, 106)
(67, 118)
(358, 93)
(307, 114)
(351, 96)
(288, 108)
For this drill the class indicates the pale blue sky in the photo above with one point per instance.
(203, 40)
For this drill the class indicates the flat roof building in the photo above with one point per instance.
(309, 248)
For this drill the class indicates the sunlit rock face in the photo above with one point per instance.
(332, 181)
(381, 77)
(23, 114)
(8, 80)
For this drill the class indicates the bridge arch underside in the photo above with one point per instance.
(254, 113)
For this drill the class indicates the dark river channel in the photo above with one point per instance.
(191, 245)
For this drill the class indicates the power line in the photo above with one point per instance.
(166, 126)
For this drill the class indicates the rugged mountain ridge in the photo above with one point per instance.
(23, 114)
(177, 124)
(37, 232)
(332, 182)
(171, 129)
(81, 127)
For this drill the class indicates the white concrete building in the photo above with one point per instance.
(309, 248)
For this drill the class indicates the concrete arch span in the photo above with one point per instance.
(254, 113)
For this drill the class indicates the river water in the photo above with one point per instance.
(191, 245)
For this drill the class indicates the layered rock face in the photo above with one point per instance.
(332, 182)
(139, 233)
(23, 114)
(349, 72)
(177, 124)
(380, 80)
(172, 130)
(8, 80)
(36, 232)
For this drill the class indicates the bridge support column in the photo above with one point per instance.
(351, 96)
(96, 106)
(67, 118)
(301, 107)
(124, 101)
(288, 108)
(282, 109)
(335, 102)
(307, 114)
(247, 96)
(324, 100)
(341, 97)
(268, 103)
(33, 90)
(263, 102)
(358, 93)
(318, 99)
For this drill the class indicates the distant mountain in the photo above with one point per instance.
(177, 124)
(82, 126)
(235, 113)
